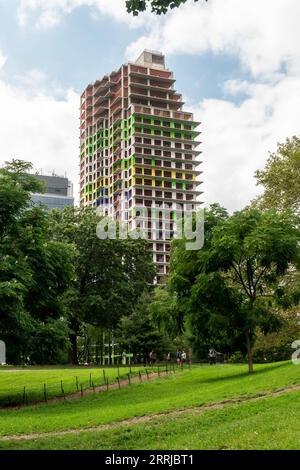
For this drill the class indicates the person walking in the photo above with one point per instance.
(151, 357)
(183, 357)
(212, 354)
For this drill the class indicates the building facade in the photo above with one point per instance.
(58, 192)
(138, 151)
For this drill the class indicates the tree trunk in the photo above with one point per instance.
(249, 352)
(73, 352)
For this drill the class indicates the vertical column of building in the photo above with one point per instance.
(164, 148)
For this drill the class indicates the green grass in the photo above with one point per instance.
(13, 381)
(185, 389)
(271, 423)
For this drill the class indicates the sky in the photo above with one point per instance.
(237, 64)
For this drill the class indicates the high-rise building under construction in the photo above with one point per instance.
(138, 151)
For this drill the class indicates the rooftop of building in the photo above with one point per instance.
(147, 58)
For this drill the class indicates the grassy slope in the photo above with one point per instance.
(184, 389)
(12, 382)
(271, 423)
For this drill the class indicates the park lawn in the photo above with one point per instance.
(56, 379)
(270, 423)
(189, 388)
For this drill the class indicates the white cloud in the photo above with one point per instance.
(237, 138)
(50, 12)
(36, 82)
(39, 128)
(264, 35)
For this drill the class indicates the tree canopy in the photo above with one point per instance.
(35, 271)
(230, 288)
(157, 6)
(110, 275)
(281, 178)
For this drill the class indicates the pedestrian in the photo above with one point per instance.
(183, 357)
(178, 357)
(151, 357)
(212, 354)
(168, 357)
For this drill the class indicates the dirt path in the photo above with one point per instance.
(143, 419)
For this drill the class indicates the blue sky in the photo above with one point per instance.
(237, 67)
(78, 52)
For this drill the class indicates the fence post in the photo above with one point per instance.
(77, 386)
(62, 389)
(107, 384)
(129, 380)
(104, 376)
(140, 375)
(81, 390)
(118, 379)
(90, 380)
(45, 392)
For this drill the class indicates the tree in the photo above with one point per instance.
(157, 6)
(34, 271)
(139, 334)
(276, 346)
(110, 275)
(165, 311)
(238, 278)
(281, 178)
(15, 188)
